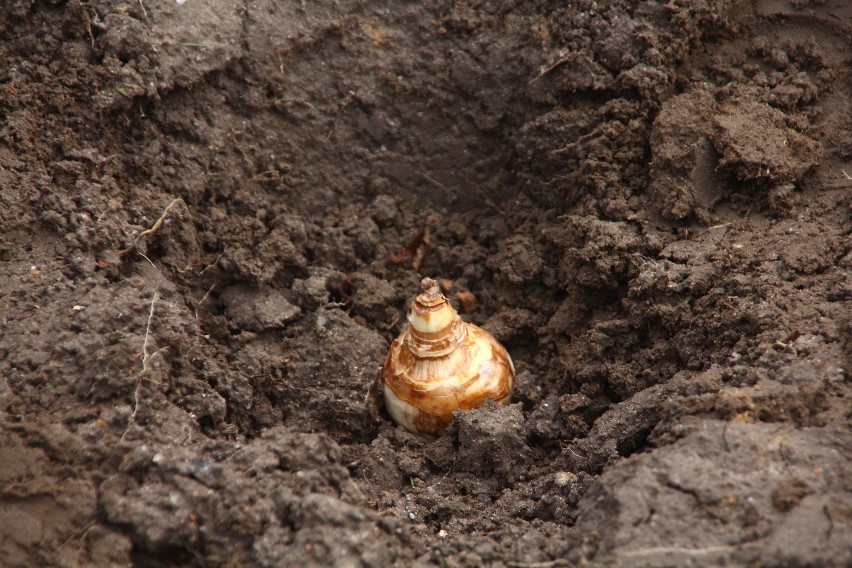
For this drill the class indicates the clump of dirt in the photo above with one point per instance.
(214, 215)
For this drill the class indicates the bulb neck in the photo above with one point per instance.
(436, 328)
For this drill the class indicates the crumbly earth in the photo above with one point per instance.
(213, 214)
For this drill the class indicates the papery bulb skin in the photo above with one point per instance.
(441, 364)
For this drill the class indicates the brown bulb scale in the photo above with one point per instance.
(441, 364)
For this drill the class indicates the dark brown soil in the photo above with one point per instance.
(213, 215)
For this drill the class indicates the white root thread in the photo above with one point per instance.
(678, 550)
(146, 358)
(197, 308)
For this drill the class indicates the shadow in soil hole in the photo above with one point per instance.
(636, 443)
(170, 556)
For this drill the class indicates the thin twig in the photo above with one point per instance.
(212, 264)
(433, 180)
(146, 258)
(159, 222)
(570, 146)
(269, 176)
(547, 70)
(154, 228)
(487, 200)
(300, 101)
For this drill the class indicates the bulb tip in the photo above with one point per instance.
(430, 287)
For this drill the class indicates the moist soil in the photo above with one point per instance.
(215, 213)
